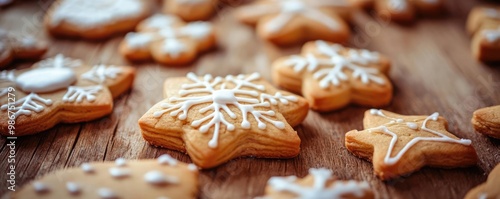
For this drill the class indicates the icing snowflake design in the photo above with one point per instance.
(100, 73)
(288, 9)
(319, 189)
(216, 96)
(27, 105)
(77, 94)
(59, 61)
(169, 34)
(336, 64)
(414, 126)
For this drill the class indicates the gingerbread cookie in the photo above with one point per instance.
(168, 40)
(484, 24)
(190, 10)
(95, 19)
(58, 90)
(331, 76)
(295, 21)
(19, 47)
(402, 11)
(164, 177)
(318, 184)
(215, 119)
(489, 189)
(399, 145)
(487, 121)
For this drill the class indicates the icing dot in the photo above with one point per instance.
(261, 125)
(399, 120)
(192, 167)
(40, 187)
(119, 173)
(87, 168)
(120, 162)
(230, 127)
(43, 80)
(167, 159)
(106, 193)
(158, 178)
(72, 187)
(412, 125)
(374, 111)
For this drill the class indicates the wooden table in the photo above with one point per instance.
(433, 71)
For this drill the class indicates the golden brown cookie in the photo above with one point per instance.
(58, 90)
(487, 121)
(318, 184)
(164, 177)
(215, 119)
(489, 189)
(190, 10)
(168, 40)
(331, 76)
(95, 19)
(484, 24)
(399, 145)
(296, 21)
(14, 46)
(402, 11)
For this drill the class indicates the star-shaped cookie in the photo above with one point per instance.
(286, 22)
(58, 90)
(331, 76)
(164, 177)
(402, 11)
(14, 46)
(168, 40)
(318, 184)
(484, 24)
(398, 145)
(215, 119)
(489, 189)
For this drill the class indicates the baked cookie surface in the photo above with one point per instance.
(215, 119)
(398, 145)
(484, 26)
(402, 11)
(487, 121)
(190, 10)
(331, 76)
(59, 90)
(489, 189)
(14, 46)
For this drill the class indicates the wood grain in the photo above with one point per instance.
(433, 71)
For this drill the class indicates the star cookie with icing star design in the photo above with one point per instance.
(318, 184)
(58, 90)
(287, 22)
(331, 76)
(216, 119)
(164, 177)
(168, 40)
(484, 26)
(402, 11)
(398, 145)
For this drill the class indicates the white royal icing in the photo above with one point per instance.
(331, 70)
(410, 124)
(157, 177)
(106, 193)
(100, 73)
(287, 10)
(87, 168)
(492, 35)
(44, 80)
(72, 187)
(159, 21)
(119, 172)
(138, 40)
(91, 13)
(120, 162)
(398, 5)
(28, 105)
(244, 96)
(78, 94)
(167, 159)
(192, 167)
(7, 76)
(319, 189)
(40, 187)
(59, 61)
(491, 12)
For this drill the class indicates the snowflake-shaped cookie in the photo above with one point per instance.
(399, 145)
(190, 10)
(319, 184)
(286, 22)
(402, 11)
(95, 19)
(161, 178)
(168, 40)
(58, 90)
(13, 47)
(484, 25)
(215, 119)
(331, 76)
